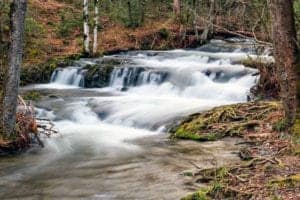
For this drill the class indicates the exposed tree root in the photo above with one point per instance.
(233, 120)
(270, 169)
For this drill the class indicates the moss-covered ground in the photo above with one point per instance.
(270, 163)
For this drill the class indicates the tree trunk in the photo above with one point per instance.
(142, 11)
(176, 7)
(130, 14)
(96, 24)
(284, 40)
(209, 30)
(12, 75)
(86, 27)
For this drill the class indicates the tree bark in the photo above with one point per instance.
(130, 14)
(96, 24)
(86, 27)
(209, 30)
(285, 49)
(12, 75)
(176, 7)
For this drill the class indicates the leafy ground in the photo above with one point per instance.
(270, 166)
(62, 35)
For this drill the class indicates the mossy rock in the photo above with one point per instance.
(98, 75)
(41, 73)
(230, 120)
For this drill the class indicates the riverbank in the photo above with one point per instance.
(270, 164)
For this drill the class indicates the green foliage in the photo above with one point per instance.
(280, 126)
(33, 28)
(133, 13)
(34, 33)
(68, 24)
(199, 195)
(32, 95)
(164, 33)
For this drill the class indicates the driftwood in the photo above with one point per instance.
(29, 128)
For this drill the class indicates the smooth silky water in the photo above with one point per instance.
(112, 142)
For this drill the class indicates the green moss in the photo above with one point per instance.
(290, 181)
(231, 120)
(98, 75)
(183, 134)
(188, 173)
(280, 126)
(199, 195)
(296, 137)
(32, 95)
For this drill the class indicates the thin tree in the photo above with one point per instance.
(209, 30)
(12, 73)
(176, 8)
(285, 49)
(96, 25)
(86, 28)
(129, 6)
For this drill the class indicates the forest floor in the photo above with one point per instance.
(270, 164)
(63, 36)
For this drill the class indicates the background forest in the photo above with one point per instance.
(56, 29)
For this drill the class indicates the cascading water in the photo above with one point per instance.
(68, 76)
(135, 76)
(113, 144)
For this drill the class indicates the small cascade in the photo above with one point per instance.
(68, 76)
(135, 76)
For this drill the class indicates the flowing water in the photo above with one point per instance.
(113, 142)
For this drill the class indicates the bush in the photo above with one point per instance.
(68, 24)
(33, 28)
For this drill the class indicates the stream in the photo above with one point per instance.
(113, 141)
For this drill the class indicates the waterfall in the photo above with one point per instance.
(68, 76)
(135, 76)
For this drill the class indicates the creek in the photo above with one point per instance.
(113, 141)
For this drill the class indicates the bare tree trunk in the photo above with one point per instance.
(86, 27)
(142, 11)
(96, 24)
(284, 40)
(130, 13)
(176, 7)
(12, 76)
(209, 30)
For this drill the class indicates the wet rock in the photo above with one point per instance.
(98, 75)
